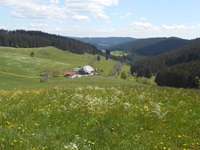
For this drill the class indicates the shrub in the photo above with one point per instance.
(55, 73)
(123, 75)
(144, 80)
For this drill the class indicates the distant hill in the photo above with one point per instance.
(167, 60)
(136, 44)
(162, 46)
(151, 46)
(103, 43)
(31, 39)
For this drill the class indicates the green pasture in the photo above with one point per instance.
(100, 118)
(89, 113)
(117, 53)
(18, 61)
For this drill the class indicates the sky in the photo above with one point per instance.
(104, 18)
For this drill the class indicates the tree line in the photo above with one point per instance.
(184, 75)
(177, 68)
(31, 39)
(152, 65)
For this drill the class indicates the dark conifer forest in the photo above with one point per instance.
(30, 39)
(184, 75)
(177, 68)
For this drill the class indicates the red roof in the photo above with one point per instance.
(69, 73)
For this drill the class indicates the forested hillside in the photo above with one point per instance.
(151, 46)
(136, 44)
(161, 47)
(182, 55)
(184, 75)
(31, 39)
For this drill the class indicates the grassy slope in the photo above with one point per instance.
(19, 70)
(19, 61)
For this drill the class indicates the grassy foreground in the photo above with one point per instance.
(99, 118)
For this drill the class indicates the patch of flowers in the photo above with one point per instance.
(94, 117)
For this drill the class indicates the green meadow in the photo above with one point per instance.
(89, 113)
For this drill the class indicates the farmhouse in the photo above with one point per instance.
(80, 71)
(86, 70)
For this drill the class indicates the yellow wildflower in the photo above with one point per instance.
(93, 143)
(179, 136)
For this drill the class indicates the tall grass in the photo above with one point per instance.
(100, 117)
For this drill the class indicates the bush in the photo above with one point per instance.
(144, 80)
(55, 73)
(123, 75)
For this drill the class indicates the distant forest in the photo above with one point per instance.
(31, 39)
(177, 68)
(184, 75)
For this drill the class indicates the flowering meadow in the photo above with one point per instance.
(100, 118)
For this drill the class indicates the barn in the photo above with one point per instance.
(86, 70)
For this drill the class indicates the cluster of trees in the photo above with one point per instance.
(185, 75)
(177, 68)
(29, 39)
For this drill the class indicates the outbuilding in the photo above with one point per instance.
(70, 74)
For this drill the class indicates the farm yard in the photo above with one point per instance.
(100, 117)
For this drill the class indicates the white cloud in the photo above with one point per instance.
(17, 14)
(95, 7)
(33, 9)
(142, 19)
(173, 27)
(95, 2)
(101, 16)
(54, 1)
(141, 25)
(2, 27)
(34, 26)
(37, 26)
(126, 16)
(58, 10)
(106, 2)
(80, 18)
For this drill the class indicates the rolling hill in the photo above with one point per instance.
(18, 60)
(31, 39)
(103, 43)
(136, 44)
(150, 46)
(19, 69)
(180, 58)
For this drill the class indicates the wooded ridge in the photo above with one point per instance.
(30, 39)
(161, 66)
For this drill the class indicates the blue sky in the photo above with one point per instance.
(104, 18)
